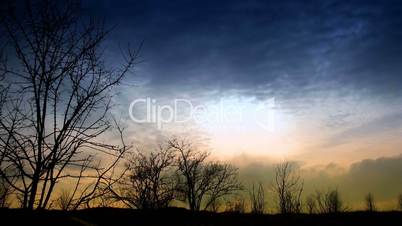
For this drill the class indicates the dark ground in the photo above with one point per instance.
(182, 217)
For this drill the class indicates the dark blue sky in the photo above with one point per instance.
(260, 48)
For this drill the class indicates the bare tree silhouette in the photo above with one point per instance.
(150, 182)
(257, 199)
(311, 204)
(202, 181)
(370, 204)
(288, 187)
(57, 103)
(5, 185)
(330, 202)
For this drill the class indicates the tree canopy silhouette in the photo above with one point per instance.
(150, 181)
(201, 180)
(56, 102)
(288, 187)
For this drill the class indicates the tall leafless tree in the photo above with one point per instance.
(202, 181)
(5, 187)
(57, 102)
(150, 182)
(288, 187)
(370, 204)
(257, 199)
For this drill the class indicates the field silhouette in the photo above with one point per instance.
(183, 217)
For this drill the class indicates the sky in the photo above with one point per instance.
(317, 82)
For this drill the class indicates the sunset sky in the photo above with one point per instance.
(328, 74)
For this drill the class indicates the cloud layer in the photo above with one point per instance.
(381, 177)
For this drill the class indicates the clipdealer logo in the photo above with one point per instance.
(149, 110)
